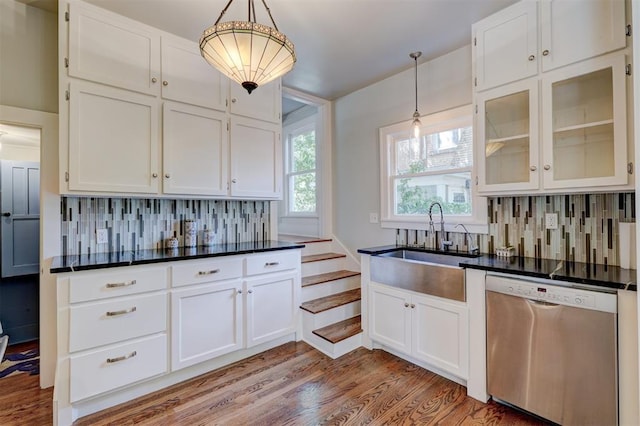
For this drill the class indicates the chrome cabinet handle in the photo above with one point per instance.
(272, 264)
(6, 214)
(211, 272)
(121, 312)
(547, 167)
(165, 83)
(124, 284)
(155, 175)
(532, 57)
(121, 358)
(545, 52)
(154, 80)
(533, 168)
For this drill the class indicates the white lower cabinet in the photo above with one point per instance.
(427, 328)
(272, 306)
(206, 322)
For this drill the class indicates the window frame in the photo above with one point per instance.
(477, 222)
(292, 131)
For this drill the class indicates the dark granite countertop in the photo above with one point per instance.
(612, 277)
(142, 257)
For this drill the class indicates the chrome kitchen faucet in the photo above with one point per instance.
(444, 244)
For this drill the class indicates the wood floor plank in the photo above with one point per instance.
(292, 384)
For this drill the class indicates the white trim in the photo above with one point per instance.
(324, 164)
(49, 227)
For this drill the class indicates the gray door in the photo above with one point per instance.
(20, 208)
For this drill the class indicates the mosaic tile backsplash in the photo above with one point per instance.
(587, 227)
(140, 224)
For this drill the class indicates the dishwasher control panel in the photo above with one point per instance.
(554, 294)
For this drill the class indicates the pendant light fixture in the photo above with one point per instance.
(416, 123)
(252, 54)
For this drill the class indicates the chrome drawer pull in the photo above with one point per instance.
(272, 264)
(213, 271)
(121, 358)
(122, 312)
(125, 284)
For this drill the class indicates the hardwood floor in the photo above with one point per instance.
(297, 385)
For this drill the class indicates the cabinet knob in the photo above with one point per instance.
(533, 168)
(167, 175)
(165, 83)
(249, 291)
(154, 80)
(239, 291)
(233, 181)
(406, 305)
(413, 306)
(532, 57)
(6, 214)
(234, 100)
(547, 167)
(155, 175)
(545, 52)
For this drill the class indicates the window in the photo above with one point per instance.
(301, 170)
(436, 167)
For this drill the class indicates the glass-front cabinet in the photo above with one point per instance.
(507, 123)
(570, 137)
(584, 125)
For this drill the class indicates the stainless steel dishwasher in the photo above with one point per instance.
(552, 350)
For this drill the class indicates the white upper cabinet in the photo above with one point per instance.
(538, 36)
(111, 49)
(584, 124)
(506, 45)
(113, 140)
(573, 30)
(195, 149)
(188, 78)
(264, 103)
(255, 159)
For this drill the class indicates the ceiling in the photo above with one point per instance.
(341, 45)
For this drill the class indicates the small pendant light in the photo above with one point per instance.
(416, 123)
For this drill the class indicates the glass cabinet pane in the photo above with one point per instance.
(507, 139)
(583, 131)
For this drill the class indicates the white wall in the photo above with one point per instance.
(28, 95)
(29, 52)
(443, 83)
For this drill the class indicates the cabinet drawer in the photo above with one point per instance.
(101, 371)
(120, 282)
(272, 262)
(205, 271)
(102, 323)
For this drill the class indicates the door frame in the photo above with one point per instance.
(49, 227)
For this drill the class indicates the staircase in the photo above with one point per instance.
(330, 297)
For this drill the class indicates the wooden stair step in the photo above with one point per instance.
(339, 331)
(321, 256)
(329, 276)
(329, 302)
(303, 240)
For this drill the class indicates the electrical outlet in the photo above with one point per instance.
(551, 220)
(102, 236)
(373, 218)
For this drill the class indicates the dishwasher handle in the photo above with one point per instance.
(541, 302)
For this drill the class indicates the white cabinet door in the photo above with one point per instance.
(206, 322)
(264, 103)
(573, 30)
(390, 317)
(188, 78)
(506, 45)
(113, 140)
(584, 124)
(441, 334)
(255, 159)
(114, 50)
(507, 142)
(195, 149)
(272, 305)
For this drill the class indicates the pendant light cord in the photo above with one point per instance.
(252, 10)
(416, 61)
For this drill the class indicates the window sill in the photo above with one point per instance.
(474, 226)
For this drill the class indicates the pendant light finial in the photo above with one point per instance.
(416, 124)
